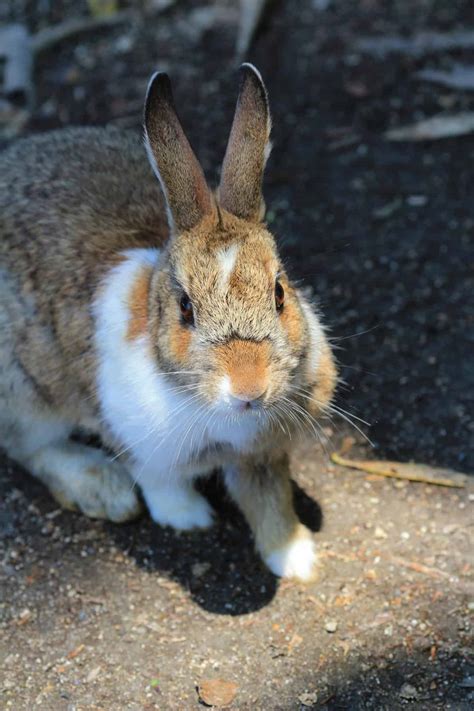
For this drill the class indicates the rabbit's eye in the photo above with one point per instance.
(186, 308)
(279, 296)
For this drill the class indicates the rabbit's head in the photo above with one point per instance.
(224, 315)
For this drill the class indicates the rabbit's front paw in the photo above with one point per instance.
(180, 508)
(297, 559)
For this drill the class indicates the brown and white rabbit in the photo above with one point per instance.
(162, 321)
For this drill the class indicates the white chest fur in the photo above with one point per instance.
(162, 428)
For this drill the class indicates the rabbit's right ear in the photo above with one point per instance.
(240, 190)
(172, 158)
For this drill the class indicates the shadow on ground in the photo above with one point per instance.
(231, 579)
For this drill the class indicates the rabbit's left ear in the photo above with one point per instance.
(240, 190)
(187, 195)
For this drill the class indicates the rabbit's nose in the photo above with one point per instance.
(249, 394)
(244, 366)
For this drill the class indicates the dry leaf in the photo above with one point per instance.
(24, 617)
(308, 698)
(461, 76)
(217, 692)
(440, 126)
(417, 45)
(410, 472)
(75, 652)
(295, 641)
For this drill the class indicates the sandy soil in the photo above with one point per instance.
(97, 616)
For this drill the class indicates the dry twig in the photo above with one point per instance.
(409, 472)
(250, 16)
(48, 37)
(461, 76)
(16, 49)
(420, 568)
(417, 46)
(434, 128)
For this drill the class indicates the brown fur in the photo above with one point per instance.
(291, 318)
(263, 492)
(138, 305)
(180, 339)
(326, 380)
(72, 201)
(189, 198)
(240, 190)
(246, 363)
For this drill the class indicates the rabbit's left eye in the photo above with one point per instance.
(186, 308)
(279, 296)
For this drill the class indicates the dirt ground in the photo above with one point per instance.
(97, 616)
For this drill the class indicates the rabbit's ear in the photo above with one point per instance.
(172, 158)
(240, 190)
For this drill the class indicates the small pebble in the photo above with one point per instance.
(408, 692)
(308, 698)
(330, 626)
(417, 200)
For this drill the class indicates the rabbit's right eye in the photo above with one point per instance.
(186, 308)
(279, 297)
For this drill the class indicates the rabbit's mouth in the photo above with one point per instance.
(246, 406)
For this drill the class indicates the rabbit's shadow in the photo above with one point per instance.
(219, 567)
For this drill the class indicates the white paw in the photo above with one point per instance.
(103, 490)
(84, 478)
(183, 509)
(111, 495)
(298, 559)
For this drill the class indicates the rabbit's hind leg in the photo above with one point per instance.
(85, 478)
(78, 476)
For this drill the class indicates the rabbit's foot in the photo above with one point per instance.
(180, 507)
(296, 559)
(84, 478)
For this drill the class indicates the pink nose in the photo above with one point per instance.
(249, 394)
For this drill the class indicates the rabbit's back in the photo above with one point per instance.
(70, 202)
(86, 191)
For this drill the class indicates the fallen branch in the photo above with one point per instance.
(417, 46)
(434, 128)
(19, 49)
(250, 16)
(16, 49)
(461, 77)
(409, 472)
(50, 36)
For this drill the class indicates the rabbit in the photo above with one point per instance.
(160, 320)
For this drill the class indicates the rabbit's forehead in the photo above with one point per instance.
(232, 266)
(239, 264)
